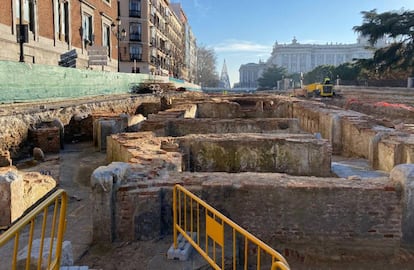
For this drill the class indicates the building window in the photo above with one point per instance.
(61, 9)
(28, 11)
(135, 52)
(135, 8)
(32, 26)
(106, 37)
(108, 2)
(87, 33)
(135, 32)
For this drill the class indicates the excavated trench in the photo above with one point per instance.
(241, 145)
(284, 140)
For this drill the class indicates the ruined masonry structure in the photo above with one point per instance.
(268, 155)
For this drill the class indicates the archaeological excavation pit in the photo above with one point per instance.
(266, 162)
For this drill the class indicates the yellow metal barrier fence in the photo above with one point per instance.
(237, 248)
(25, 230)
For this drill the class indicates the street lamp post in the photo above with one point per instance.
(120, 35)
(21, 41)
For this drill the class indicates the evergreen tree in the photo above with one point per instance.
(318, 74)
(271, 76)
(398, 57)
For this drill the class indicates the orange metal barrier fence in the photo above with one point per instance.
(220, 241)
(50, 215)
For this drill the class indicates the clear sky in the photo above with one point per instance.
(242, 31)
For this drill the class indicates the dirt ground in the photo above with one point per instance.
(392, 108)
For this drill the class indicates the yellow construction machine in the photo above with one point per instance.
(324, 89)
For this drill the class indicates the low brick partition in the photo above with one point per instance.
(326, 217)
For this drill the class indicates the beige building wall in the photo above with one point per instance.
(296, 57)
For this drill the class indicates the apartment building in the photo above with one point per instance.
(189, 68)
(155, 39)
(57, 28)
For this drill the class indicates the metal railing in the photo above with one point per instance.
(25, 230)
(192, 217)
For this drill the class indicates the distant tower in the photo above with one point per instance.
(224, 77)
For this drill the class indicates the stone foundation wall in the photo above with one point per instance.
(354, 134)
(296, 154)
(182, 127)
(246, 107)
(299, 154)
(324, 216)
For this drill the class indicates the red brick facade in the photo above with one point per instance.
(56, 28)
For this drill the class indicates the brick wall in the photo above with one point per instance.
(314, 216)
(45, 16)
(5, 9)
(319, 216)
(47, 139)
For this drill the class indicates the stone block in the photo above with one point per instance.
(6, 178)
(105, 128)
(134, 122)
(104, 182)
(66, 258)
(389, 154)
(183, 250)
(18, 191)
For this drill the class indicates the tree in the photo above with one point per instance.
(347, 71)
(270, 76)
(398, 57)
(318, 74)
(296, 78)
(206, 67)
